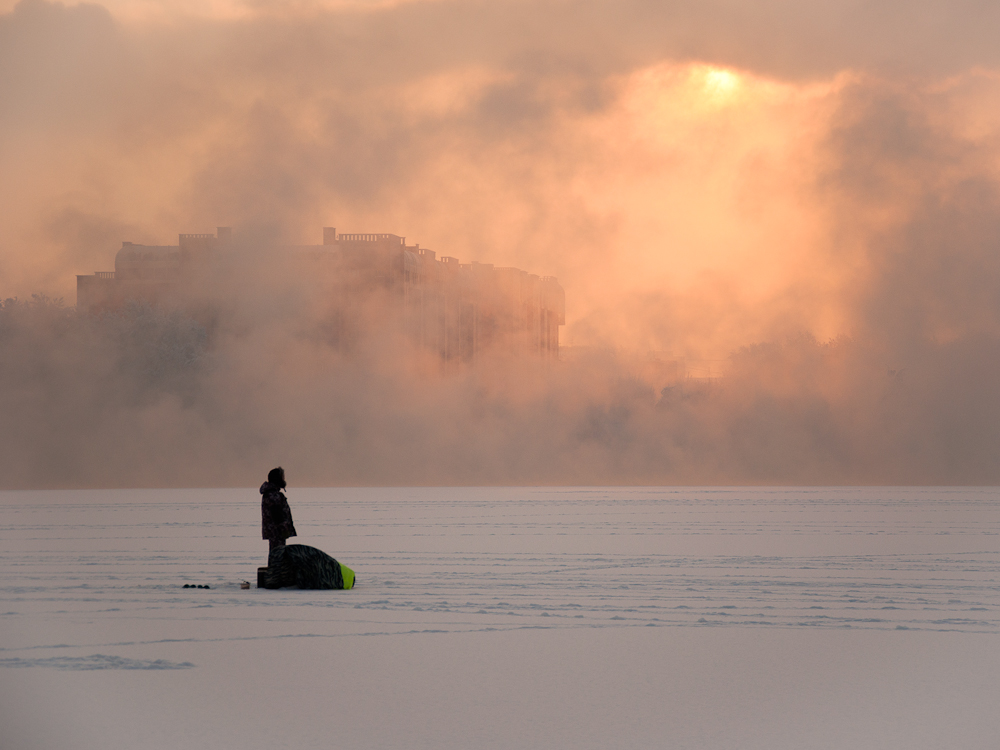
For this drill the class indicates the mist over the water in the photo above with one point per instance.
(802, 204)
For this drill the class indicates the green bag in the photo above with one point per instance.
(303, 567)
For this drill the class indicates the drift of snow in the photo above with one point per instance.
(505, 618)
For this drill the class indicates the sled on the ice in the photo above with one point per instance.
(305, 568)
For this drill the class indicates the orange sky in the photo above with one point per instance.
(704, 179)
(688, 204)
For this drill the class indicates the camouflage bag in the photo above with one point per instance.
(303, 567)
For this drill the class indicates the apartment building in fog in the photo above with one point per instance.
(457, 310)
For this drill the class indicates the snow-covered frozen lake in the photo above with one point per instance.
(506, 618)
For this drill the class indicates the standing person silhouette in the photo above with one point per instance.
(275, 513)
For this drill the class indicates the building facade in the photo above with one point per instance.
(459, 311)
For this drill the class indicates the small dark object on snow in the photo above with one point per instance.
(305, 568)
(244, 584)
(196, 586)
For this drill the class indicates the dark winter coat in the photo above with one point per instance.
(275, 513)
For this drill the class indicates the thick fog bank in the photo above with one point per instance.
(807, 198)
(147, 398)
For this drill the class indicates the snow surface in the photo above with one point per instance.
(506, 618)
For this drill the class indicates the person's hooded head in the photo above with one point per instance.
(277, 478)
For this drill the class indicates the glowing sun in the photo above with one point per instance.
(719, 84)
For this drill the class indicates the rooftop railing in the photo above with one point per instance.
(370, 238)
(104, 274)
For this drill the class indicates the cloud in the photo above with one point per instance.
(802, 198)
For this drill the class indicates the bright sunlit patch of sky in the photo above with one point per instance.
(715, 162)
(720, 86)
